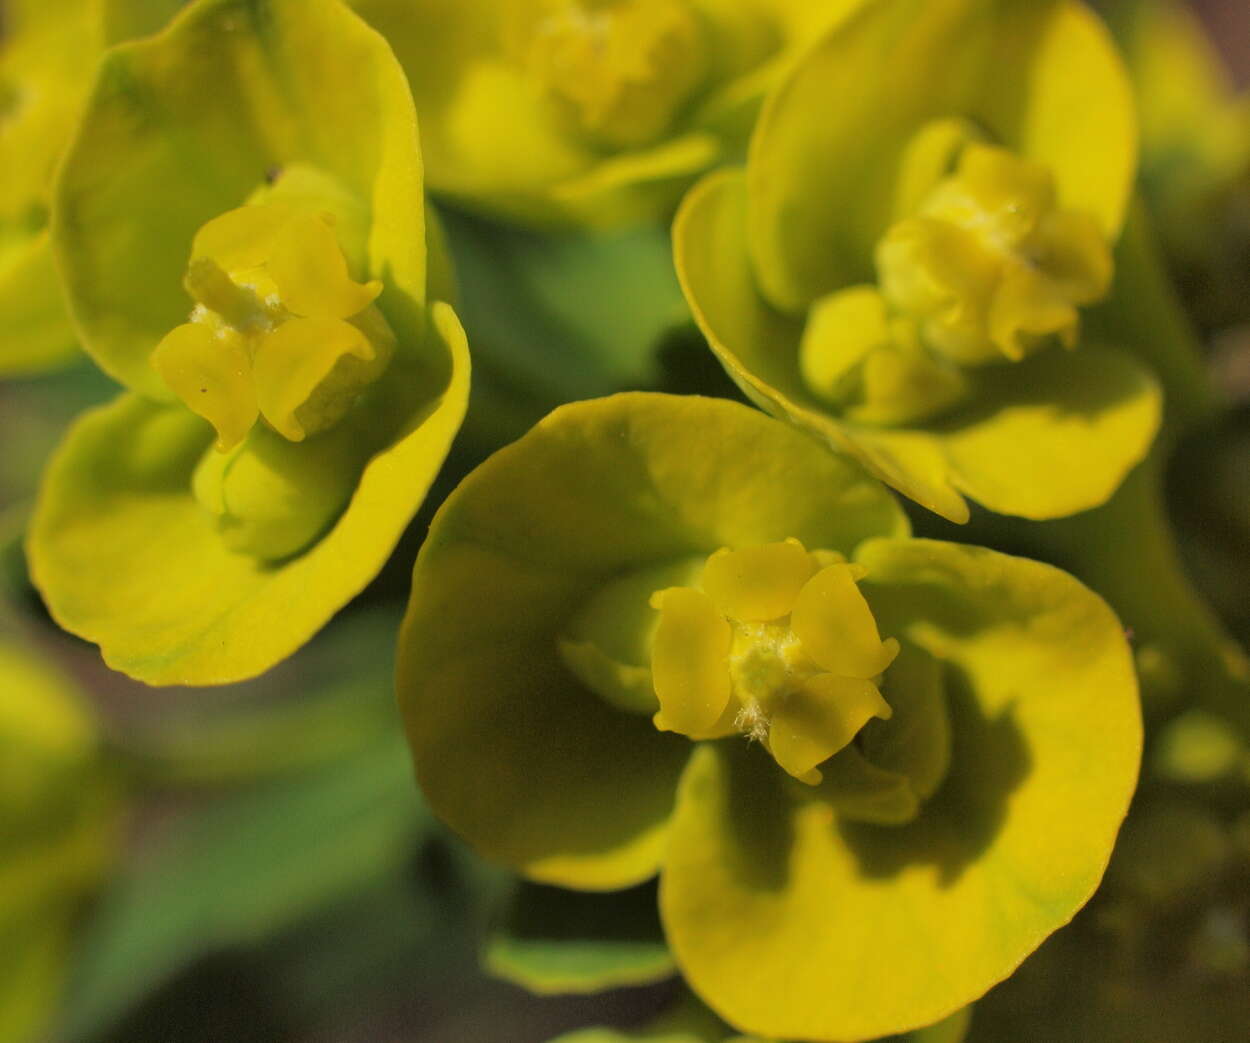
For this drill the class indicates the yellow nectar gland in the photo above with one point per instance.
(778, 645)
(986, 269)
(279, 330)
(620, 70)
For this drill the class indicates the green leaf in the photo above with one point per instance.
(552, 941)
(328, 701)
(597, 490)
(865, 930)
(1043, 438)
(242, 870)
(568, 314)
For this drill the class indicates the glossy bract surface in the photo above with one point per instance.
(242, 236)
(673, 635)
(932, 328)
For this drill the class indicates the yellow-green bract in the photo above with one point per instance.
(931, 856)
(586, 111)
(47, 60)
(231, 180)
(930, 200)
(59, 831)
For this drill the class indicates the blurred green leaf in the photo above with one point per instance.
(554, 317)
(241, 871)
(336, 698)
(552, 941)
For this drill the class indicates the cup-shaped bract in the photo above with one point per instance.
(48, 55)
(59, 831)
(930, 201)
(240, 223)
(589, 112)
(910, 758)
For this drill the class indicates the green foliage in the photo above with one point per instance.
(553, 941)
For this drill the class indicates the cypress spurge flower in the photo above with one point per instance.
(47, 58)
(931, 201)
(674, 635)
(587, 111)
(242, 236)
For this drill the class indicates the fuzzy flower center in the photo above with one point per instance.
(777, 644)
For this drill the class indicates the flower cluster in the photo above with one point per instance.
(659, 636)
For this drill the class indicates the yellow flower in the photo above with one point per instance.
(777, 646)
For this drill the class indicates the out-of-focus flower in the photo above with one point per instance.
(588, 111)
(931, 199)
